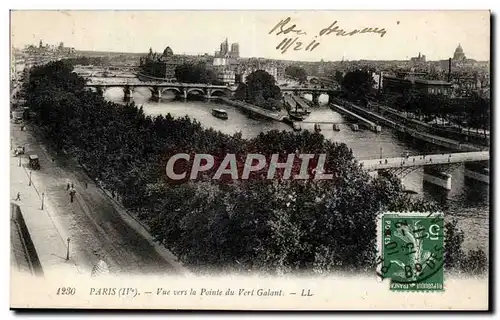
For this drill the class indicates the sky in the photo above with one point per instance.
(433, 33)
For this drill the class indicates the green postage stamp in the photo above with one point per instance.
(411, 250)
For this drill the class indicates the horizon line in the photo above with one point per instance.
(211, 55)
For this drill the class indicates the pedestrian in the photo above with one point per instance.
(113, 193)
(72, 186)
(67, 186)
(18, 197)
(72, 194)
(86, 185)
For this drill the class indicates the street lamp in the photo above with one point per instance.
(43, 197)
(67, 250)
(29, 184)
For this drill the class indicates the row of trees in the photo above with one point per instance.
(260, 88)
(473, 111)
(86, 61)
(274, 226)
(470, 112)
(195, 73)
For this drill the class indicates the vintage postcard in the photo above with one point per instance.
(250, 160)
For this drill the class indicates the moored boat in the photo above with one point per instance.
(220, 113)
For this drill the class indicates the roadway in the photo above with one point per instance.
(423, 160)
(99, 227)
(110, 82)
(366, 122)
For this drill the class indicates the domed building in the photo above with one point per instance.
(459, 53)
(168, 53)
(154, 65)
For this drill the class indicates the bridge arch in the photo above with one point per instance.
(218, 93)
(197, 90)
(171, 89)
(104, 89)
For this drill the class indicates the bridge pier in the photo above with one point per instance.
(478, 171)
(156, 94)
(100, 91)
(127, 94)
(315, 98)
(330, 97)
(437, 177)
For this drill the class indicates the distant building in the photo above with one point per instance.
(159, 66)
(224, 51)
(226, 76)
(395, 84)
(271, 69)
(459, 53)
(399, 84)
(418, 60)
(47, 49)
(235, 50)
(433, 87)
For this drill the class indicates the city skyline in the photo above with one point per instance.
(436, 34)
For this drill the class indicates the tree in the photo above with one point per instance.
(194, 73)
(477, 110)
(358, 84)
(241, 92)
(339, 77)
(297, 73)
(261, 86)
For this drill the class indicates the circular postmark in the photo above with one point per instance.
(411, 249)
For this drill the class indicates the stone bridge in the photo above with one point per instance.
(207, 91)
(157, 88)
(435, 166)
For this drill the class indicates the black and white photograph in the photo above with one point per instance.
(250, 160)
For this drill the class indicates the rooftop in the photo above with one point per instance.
(433, 82)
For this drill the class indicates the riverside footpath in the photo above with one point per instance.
(98, 227)
(45, 239)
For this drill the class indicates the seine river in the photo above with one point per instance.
(468, 201)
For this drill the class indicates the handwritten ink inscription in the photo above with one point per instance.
(294, 40)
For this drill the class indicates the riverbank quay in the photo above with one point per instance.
(99, 228)
(45, 240)
(365, 122)
(417, 134)
(454, 133)
(276, 116)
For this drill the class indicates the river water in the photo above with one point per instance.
(468, 201)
